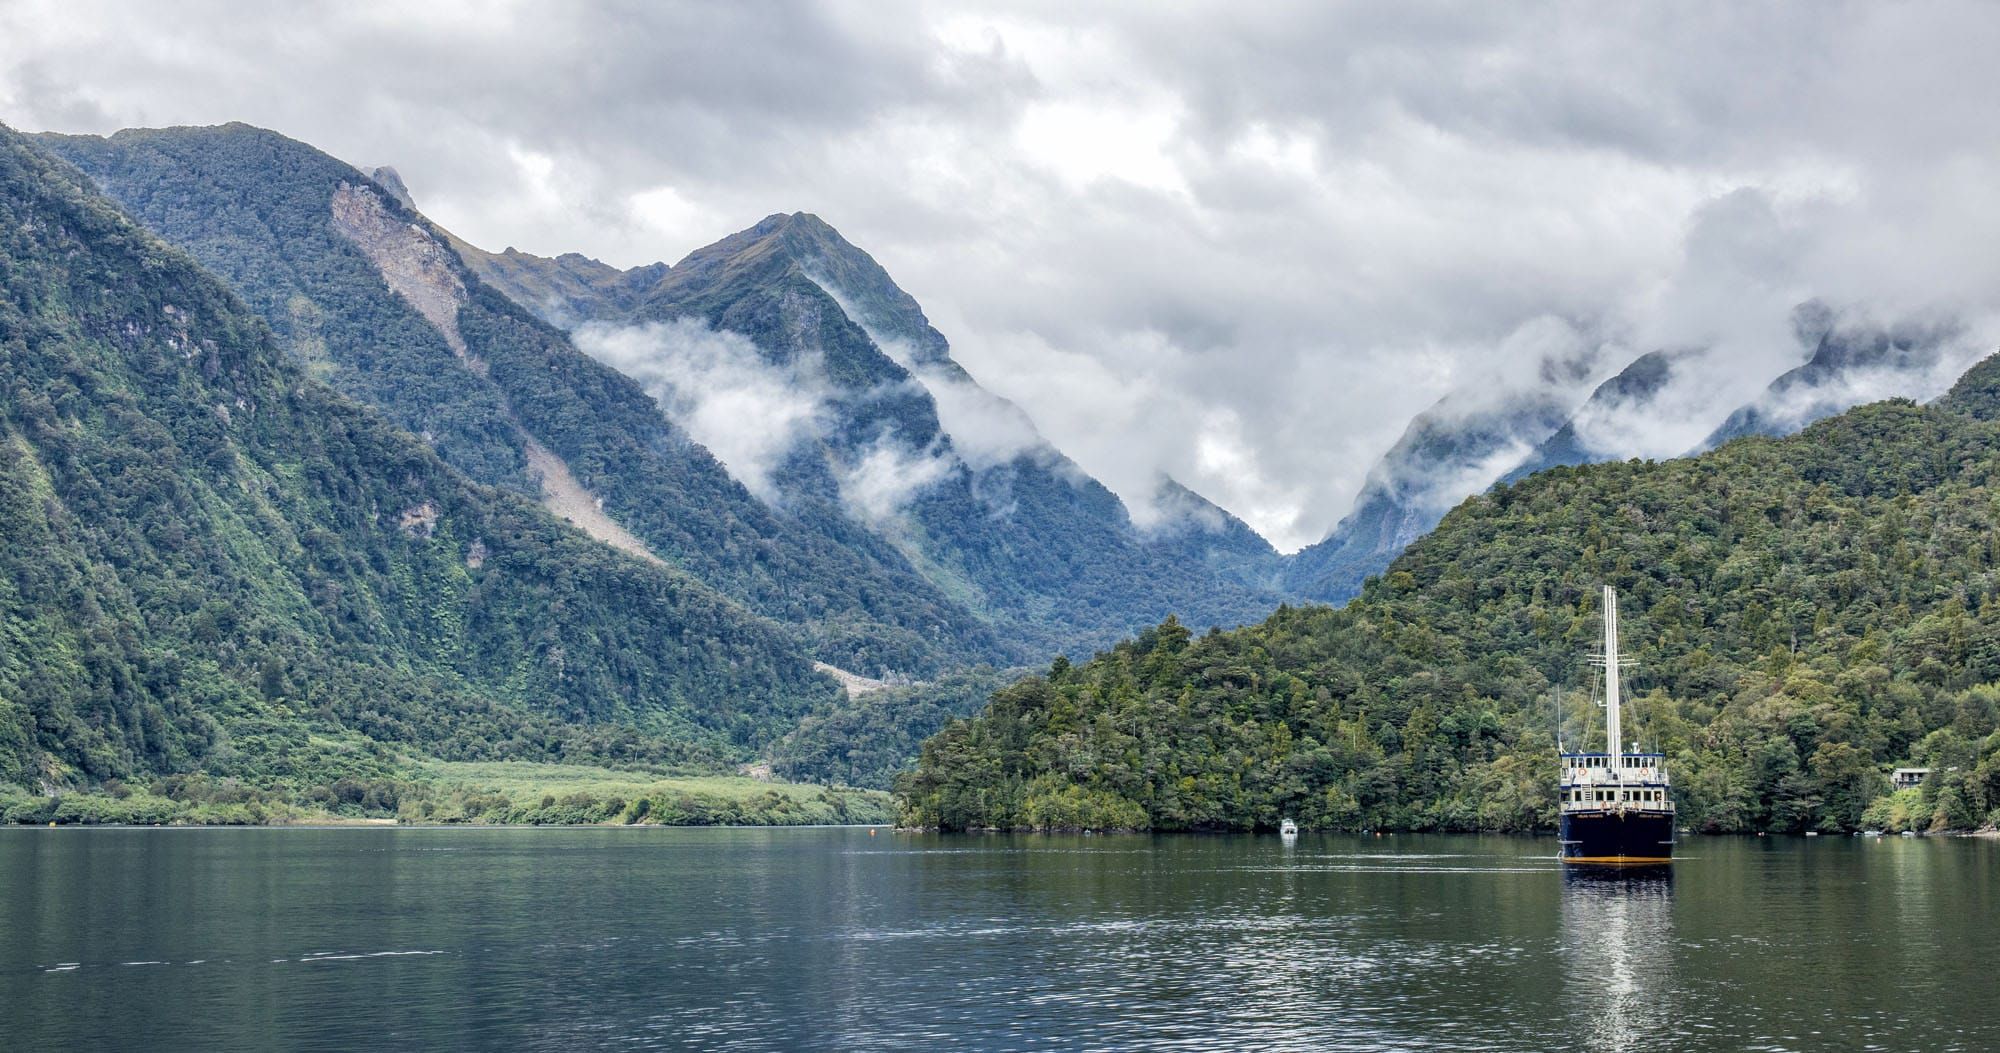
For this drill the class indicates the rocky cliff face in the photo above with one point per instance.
(418, 266)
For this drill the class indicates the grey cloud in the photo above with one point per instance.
(1241, 247)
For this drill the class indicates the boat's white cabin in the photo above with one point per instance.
(1593, 781)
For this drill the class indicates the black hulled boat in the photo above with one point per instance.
(1616, 806)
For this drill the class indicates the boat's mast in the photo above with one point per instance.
(1612, 730)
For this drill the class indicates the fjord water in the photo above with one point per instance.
(841, 939)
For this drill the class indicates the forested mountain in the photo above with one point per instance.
(880, 424)
(1454, 449)
(1803, 612)
(370, 297)
(215, 565)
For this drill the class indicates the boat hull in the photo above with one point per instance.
(1613, 838)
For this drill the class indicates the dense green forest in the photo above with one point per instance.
(871, 738)
(1803, 613)
(220, 571)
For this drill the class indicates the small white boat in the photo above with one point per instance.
(1288, 829)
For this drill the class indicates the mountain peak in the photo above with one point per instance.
(793, 237)
(392, 181)
(795, 223)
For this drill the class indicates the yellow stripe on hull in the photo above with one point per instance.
(1618, 861)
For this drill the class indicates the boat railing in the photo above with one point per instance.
(1613, 776)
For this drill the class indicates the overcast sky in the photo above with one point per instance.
(1238, 243)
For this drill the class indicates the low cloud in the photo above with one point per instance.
(887, 476)
(1857, 360)
(721, 390)
(753, 415)
(986, 430)
(1241, 248)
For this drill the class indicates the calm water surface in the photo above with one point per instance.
(836, 939)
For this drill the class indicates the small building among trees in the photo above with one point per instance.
(1904, 778)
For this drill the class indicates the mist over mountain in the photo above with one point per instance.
(372, 298)
(1449, 454)
(1454, 449)
(730, 417)
(1852, 361)
(818, 380)
(1618, 400)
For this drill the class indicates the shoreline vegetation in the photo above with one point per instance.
(504, 793)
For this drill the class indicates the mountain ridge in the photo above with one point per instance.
(513, 383)
(797, 288)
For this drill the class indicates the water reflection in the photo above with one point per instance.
(642, 939)
(1618, 934)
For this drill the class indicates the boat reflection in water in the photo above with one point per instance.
(1618, 935)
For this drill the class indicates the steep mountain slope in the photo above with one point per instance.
(216, 564)
(564, 290)
(1849, 363)
(1450, 453)
(1447, 452)
(1803, 611)
(1626, 395)
(866, 412)
(373, 299)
